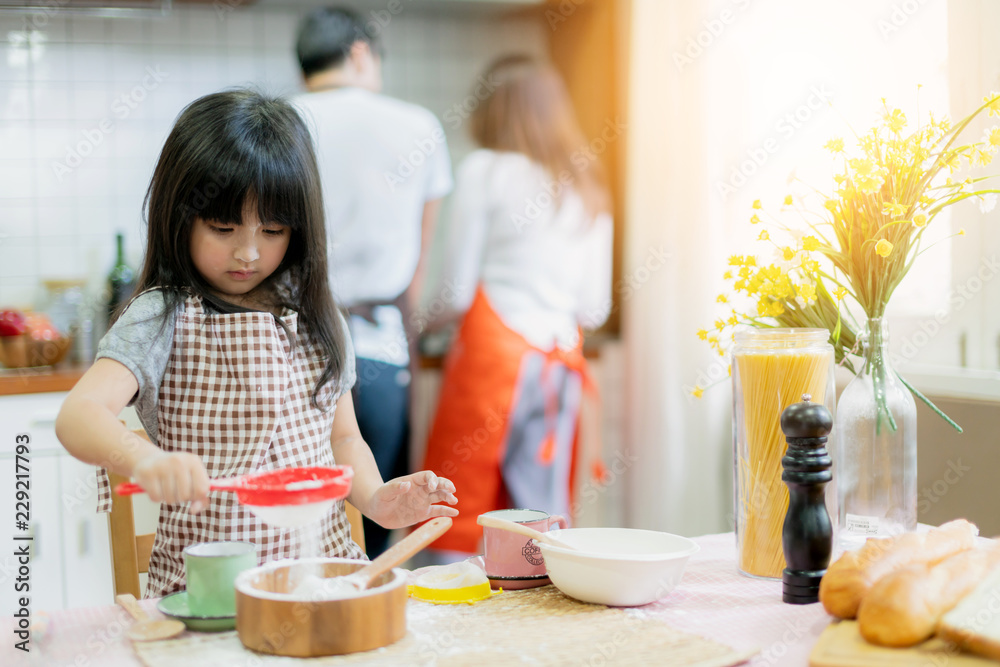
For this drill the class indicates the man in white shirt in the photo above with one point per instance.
(384, 168)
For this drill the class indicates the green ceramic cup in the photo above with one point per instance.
(211, 569)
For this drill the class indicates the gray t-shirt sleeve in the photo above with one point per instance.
(350, 375)
(141, 341)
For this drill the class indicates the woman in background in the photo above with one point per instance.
(527, 246)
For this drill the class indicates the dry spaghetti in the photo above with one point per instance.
(772, 368)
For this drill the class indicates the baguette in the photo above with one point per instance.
(903, 608)
(853, 574)
(974, 624)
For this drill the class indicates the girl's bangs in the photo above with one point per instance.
(275, 184)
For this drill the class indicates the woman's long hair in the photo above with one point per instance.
(529, 112)
(233, 148)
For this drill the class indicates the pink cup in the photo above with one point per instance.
(510, 556)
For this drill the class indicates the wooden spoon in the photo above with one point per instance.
(514, 527)
(146, 629)
(399, 552)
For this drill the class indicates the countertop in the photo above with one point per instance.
(64, 376)
(41, 379)
(712, 600)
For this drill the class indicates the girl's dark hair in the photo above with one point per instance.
(225, 150)
(327, 35)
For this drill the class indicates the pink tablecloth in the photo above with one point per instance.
(712, 600)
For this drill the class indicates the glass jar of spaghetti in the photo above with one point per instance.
(771, 369)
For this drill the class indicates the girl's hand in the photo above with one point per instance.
(407, 500)
(174, 477)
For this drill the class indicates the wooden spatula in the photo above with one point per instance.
(399, 552)
(146, 629)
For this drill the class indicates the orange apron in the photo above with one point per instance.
(479, 392)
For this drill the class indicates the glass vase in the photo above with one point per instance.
(876, 461)
(772, 368)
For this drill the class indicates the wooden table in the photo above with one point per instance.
(712, 600)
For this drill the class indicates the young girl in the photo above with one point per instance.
(528, 245)
(233, 351)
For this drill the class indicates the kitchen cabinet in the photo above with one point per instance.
(71, 556)
(46, 579)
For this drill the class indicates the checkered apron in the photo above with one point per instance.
(238, 396)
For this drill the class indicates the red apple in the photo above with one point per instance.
(12, 323)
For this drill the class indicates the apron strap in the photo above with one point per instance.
(575, 361)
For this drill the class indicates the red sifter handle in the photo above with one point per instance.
(131, 488)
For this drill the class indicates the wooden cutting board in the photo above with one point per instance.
(841, 645)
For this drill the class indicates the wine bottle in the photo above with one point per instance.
(121, 280)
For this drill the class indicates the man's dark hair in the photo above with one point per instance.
(326, 37)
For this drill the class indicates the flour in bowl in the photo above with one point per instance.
(317, 588)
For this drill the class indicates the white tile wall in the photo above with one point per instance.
(59, 82)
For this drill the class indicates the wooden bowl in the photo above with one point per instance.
(25, 352)
(269, 621)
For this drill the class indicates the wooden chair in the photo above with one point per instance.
(130, 552)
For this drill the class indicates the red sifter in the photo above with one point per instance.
(287, 498)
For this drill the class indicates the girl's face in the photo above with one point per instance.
(234, 259)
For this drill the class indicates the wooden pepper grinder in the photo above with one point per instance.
(807, 536)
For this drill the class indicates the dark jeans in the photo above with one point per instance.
(381, 406)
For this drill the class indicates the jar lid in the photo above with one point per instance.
(771, 338)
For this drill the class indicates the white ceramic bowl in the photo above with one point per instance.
(619, 567)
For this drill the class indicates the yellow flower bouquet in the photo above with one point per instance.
(869, 232)
(858, 245)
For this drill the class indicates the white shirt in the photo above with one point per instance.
(545, 265)
(380, 160)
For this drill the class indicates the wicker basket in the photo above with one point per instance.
(25, 352)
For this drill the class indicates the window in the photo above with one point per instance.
(768, 84)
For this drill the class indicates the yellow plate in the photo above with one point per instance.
(465, 594)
